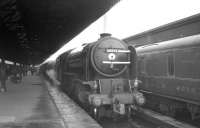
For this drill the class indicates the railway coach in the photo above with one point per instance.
(170, 74)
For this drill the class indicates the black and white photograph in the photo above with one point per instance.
(99, 64)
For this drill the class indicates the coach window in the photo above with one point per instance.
(170, 65)
(141, 66)
(187, 63)
(156, 64)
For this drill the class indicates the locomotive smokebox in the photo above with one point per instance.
(110, 56)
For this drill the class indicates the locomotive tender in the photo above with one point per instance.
(170, 72)
(101, 74)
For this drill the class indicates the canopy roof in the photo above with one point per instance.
(32, 30)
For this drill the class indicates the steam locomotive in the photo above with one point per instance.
(101, 75)
(170, 75)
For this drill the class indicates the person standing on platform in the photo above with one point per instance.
(3, 76)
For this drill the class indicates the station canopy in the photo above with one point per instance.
(32, 30)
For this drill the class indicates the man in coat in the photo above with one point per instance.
(3, 76)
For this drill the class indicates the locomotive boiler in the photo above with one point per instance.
(101, 75)
(170, 75)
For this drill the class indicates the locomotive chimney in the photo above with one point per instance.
(102, 35)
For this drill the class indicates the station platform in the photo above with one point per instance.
(29, 104)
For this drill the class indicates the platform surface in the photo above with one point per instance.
(28, 105)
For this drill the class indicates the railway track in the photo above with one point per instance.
(160, 121)
(145, 119)
(124, 123)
